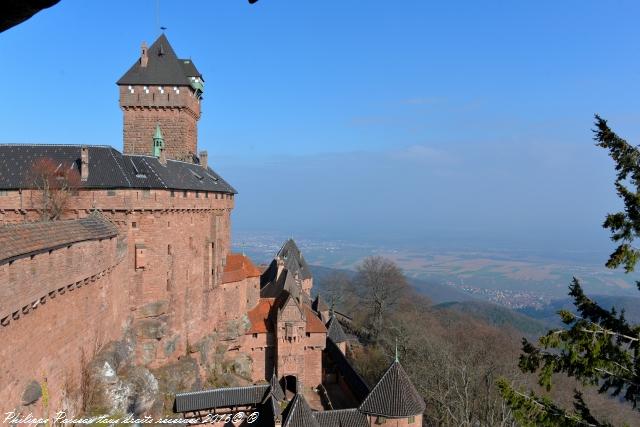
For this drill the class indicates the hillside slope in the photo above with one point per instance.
(498, 316)
(549, 314)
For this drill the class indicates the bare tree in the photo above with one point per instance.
(381, 285)
(338, 283)
(57, 181)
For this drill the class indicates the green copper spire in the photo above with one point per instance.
(158, 141)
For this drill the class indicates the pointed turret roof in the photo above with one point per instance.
(293, 259)
(335, 331)
(163, 67)
(319, 304)
(158, 133)
(394, 396)
(276, 390)
(298, 414)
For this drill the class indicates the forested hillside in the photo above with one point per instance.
(454, 352)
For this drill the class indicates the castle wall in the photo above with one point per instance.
(64, 304)
(238, 298)
(313, 366)
(167, 284)
(260, 348)
(175, 109)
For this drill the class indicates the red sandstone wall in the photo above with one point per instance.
(313, 367)
(81, 293)
(237, 298)
(177, 114)
(168, 283)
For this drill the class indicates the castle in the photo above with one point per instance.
(97, 245)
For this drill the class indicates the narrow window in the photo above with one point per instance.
(140, 263)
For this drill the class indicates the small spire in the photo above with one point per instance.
(396, 349)
(158, 142)
(158, 134)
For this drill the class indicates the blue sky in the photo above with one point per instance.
(458, 122)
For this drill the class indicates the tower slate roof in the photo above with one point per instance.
(394, 396)
(335, 331)
(298, 414)
(341, 418)
(276, 390)
(293, 259)
(108, 169)
(284, 282)
(319, 304)
(163, 67)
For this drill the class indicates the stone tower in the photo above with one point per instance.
(160, 90)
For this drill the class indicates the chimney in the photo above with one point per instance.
(144, 57)
(204, 156)
(84, 163)
(162, 158)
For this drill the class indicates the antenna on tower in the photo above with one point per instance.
(396, 349)
(158, 17)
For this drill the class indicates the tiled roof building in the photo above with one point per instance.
(394, 397)
(281, 336)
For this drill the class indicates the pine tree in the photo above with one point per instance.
(598, 347)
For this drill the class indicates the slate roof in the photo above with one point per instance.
(335, 331)
(285, 282)
(276, 390)
(108, 169)
(190, 69)
(352, 378)
(26, 239)
(319, 304)
(269, 411)
(394, 396)
(221, 398)
(163, 67)
(293, 259)
(341, 418)
(298, 414)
